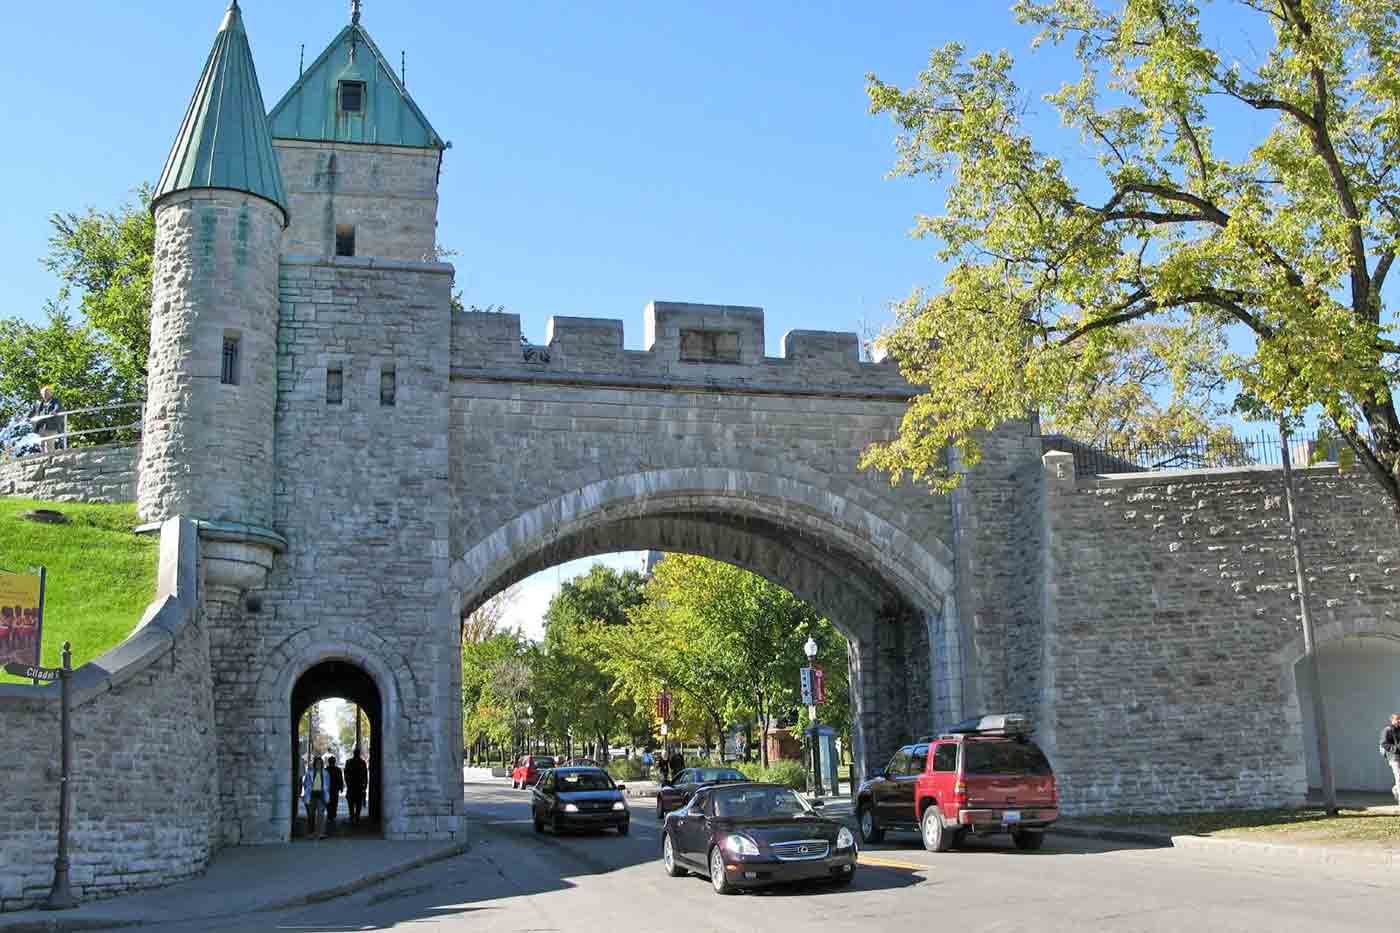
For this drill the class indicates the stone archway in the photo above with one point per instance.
(1359, 668)
(377, 666)
(880, 588)
(337, 678)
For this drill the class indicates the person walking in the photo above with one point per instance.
(335, 789)
(313, 793)
(1390, 748)
(677, 763)
(356, 781)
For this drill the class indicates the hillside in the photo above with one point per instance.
(101, 576)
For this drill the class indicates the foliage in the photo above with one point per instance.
(627, 769)
(485, 621)
(1289, 244)
(100, 576)
(785, 771)
(496, 679)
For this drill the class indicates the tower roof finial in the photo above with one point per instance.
(354, 12)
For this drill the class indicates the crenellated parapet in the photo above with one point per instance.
(710, 347)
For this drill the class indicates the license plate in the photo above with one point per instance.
(1011, 816)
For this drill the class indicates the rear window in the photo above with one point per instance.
(1004, 758)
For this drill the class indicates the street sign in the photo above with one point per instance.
(39, 674)
(807, 694)
(819, 684)
(665, 729)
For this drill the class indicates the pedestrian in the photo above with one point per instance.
(1390, 748)
(45, 418)
(313, 793)
(336, 788)
(356, 781)
(646, 764)
(677, 762)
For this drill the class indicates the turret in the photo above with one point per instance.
(220, 209)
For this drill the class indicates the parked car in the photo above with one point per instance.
(752, 835)
(985, 776)
(579, 798)
(674, 795)
(528, 769)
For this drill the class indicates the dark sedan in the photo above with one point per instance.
(750, 835)
(673, 796)
(579, 798)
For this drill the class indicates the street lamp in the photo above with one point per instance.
(529, 729)
(811, 649)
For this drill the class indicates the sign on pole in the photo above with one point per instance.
(663, 706)
(819, 684)
(21, 617)
(806, 679)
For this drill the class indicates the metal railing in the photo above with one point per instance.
(78, 427)
(1203, 453)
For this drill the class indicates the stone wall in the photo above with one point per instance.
(82, 474)
(143, 808)
(1170, 628)
(387, 193)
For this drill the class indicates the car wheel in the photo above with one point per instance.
(539, 825)
(870, 830)
(660, 813)
(936, 836)
(555, 825)
(668, 858)
(1028, 840)
(623, 829)
(718, 880)
(845, 880)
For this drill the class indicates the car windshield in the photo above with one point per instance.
(544, 762)
(1004, 758)
(707, 775)
(583, 780)
(756, 803)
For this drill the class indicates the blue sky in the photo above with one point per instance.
(604, 155)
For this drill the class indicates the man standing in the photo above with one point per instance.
(43, 414)
(313, 792)
(337, 785)
(356, 780)
(1390, 748)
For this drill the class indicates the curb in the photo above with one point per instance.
(57, 922)
(1162, 840)
(1327, 855)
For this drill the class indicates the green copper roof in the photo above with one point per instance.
(388, 116)
(224, 142)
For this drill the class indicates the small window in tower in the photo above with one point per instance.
(352, 96)
(345, 239)
(335, 385)
(228, 372)
(388, 387)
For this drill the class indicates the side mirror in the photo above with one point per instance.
(817, 804)
(622, 787)
(877, 773)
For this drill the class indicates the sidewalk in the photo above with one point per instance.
(248, 879)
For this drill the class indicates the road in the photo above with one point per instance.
(514, 880)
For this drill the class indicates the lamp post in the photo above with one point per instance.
(529, 729)
(811, 649)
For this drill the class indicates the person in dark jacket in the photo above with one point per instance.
(1390, 748)
(44, 416)
(677, 763)
(337, 786)
(356, 781)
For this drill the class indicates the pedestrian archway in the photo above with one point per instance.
(1360, 678)
(344, 680)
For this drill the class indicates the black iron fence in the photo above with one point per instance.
(1204, 453)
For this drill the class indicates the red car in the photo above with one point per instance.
(528, 770)
(984, 776)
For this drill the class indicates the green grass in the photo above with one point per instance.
(1306, 825)
(101, 576)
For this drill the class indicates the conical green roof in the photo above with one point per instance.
(224, 141)
(310, 111)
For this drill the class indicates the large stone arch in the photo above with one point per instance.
(398, 693)
(876, 583)
(1334, 632)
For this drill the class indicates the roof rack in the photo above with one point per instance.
(1008, 724)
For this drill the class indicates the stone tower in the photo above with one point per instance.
(220, 209)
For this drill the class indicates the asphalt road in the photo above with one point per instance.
(515, 880)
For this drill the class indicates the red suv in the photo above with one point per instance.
(528, 770)
(984, 776)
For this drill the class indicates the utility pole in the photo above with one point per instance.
(1310, 672)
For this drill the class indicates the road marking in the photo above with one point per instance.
(890, 863)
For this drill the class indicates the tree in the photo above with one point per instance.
(107, 257)
(1288, 244)
(71, 357)
(496, 679)
(487, 619)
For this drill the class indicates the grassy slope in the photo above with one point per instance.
(100, 575)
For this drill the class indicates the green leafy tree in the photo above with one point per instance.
(1289, 244)
(496, 679)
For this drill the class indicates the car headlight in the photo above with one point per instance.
(619, 806)
(844, 839)
(570, 808)
(740, 845)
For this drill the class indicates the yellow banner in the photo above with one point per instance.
(20, 619)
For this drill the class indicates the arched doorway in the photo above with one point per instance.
(1360, 678)
(348, 681)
